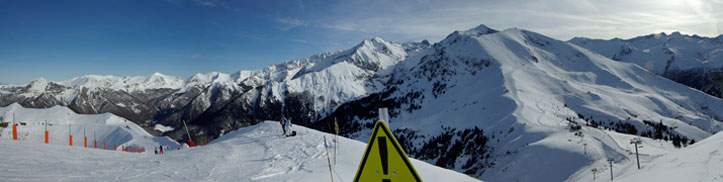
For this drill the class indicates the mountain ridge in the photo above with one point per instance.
(483, 102)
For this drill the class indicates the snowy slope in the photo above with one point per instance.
(256, 153)
(108, 128)
(700, 162)
(525, 91)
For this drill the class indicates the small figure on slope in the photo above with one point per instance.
(283, 124)
(288, 127)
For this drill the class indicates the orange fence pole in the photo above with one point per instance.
(46, 137)
(95, 143)
(15, 131)
(104, 146)
(70, 133)
(115, 147)
(85, 139)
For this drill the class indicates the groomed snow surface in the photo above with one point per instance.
(701, 162)
(103, 128)
(255, 153)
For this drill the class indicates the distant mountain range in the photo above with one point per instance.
(689, 60)
(496, 105)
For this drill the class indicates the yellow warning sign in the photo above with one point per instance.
(384, 160)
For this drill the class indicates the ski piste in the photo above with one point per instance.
(254, 153)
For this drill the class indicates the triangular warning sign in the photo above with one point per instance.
(384, 160)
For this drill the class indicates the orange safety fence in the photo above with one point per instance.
(130, 148)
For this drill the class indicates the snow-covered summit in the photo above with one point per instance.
(37, 85)
(479, 30)
(214, 79)
(132, 83)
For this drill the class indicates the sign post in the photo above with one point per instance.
(384, 159)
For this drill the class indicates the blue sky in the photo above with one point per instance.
(59, 40)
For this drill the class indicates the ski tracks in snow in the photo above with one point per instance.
(277, 148)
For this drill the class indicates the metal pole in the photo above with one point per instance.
(636, 141)
(189, 134)
(636, 155)
(611, 169)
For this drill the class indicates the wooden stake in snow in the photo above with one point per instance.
(611, 169)
(328, 159)
(336, 139)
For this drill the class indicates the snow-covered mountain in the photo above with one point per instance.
(496, 105)
(256, 153)
(506, 106)
(214, 103)
(690, 60)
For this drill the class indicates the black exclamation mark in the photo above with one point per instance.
(383, 155)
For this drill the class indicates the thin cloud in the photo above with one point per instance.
(289, 23)
(214, 4)
(210, 3)
(563, 19)
(300, 41)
